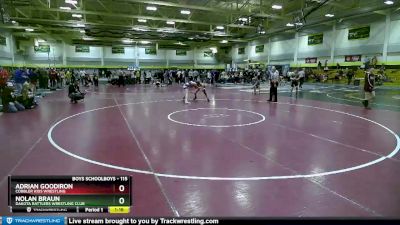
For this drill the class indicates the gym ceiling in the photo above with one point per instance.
(182, 23)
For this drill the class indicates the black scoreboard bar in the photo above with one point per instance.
(70, 194)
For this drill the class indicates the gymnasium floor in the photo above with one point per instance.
(319, 155)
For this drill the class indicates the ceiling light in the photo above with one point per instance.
(299, 24)
(185, 12)
(329, 15)
(219, 33)
(276, 6)
(82, 31)
(40, 40)
(29, 29)
(142, 20)
(65, 8)
(290, 25)
(219, 27)
(88, 38)
(224, 41)
(145, 42)
(141, 28)
(167, 30)
(170, 22)
(179, 43)
(77, 15)
(151, 8)
(191, 38)
(80, 25)
(14, 22)
(127, 41)
(389, 2)
(243, 19)
(71, 2)
(262, 32)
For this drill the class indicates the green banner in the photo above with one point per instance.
(241, 51)
(180, 52)
(259, 48)
(42, 48)
(3, 40)
(150, 51)
(315, 39)
(82, 48)
(359, 33)
(208, 53)
(117, 50)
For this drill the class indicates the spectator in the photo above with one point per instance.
(74, 93)
(326, 66)
(369, 85)
(302, 75)
(367, 63)
(68, 76)
(20, 78)
(350, 75)
(96, 80)
(53, 79)
(27, 98)
(374, 61)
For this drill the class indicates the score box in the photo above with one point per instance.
(68, 192)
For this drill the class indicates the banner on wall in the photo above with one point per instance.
(208, 53)
(359, 33)
(315, 39)
(150, 51)
(117, 50)
(241, 51)
(3, 40)
(82, 48)
(180, 52)
(259, 48)
(42, 48)
(312, 60)
(352, 58)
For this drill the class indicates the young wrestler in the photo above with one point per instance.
(294, 77)
(200, 86)
(197, 86)
(186, 87)
(257, 83)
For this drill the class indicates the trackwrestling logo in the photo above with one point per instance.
(23, 220)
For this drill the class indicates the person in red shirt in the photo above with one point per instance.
(53, 78)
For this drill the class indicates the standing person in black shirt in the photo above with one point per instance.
(121, 79)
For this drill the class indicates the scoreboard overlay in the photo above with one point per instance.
(75, 194)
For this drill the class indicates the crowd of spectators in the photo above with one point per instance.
(24, 83)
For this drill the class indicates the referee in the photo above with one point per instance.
(274, 78)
